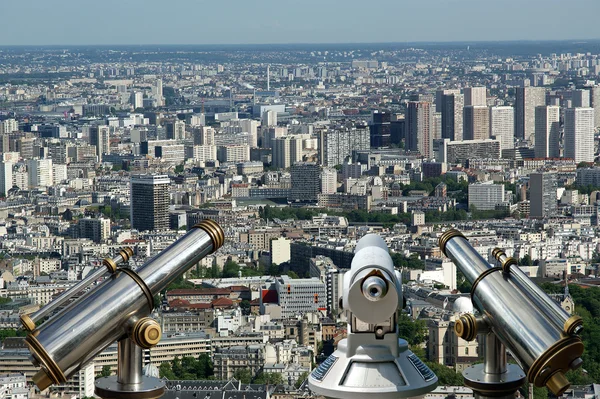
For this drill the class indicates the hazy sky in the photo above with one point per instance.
(289, 21)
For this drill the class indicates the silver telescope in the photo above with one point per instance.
(541, 337)
(110, 267)
(117, 310)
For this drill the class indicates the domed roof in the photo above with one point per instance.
(151, 370)
(462, 305)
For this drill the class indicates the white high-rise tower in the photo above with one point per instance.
(547, 131)
(579, 134)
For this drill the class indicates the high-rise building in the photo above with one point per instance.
(486, 196)
(233, 153)
(9, 126)
(579, 134)
(306, 182)
(269, 118)
(452, 116)
(380, 129)
(150, 202)
(475, 96)
(6, 177)
(328, 181)
(40, 173)
(337, 144)
(595, 103)
(476, 122)
(527, 98)
(99, 137)
(175, 130)
(286, 151)
(203, 135)
(542, 195)
(502, 126)
(137, 99)
(580, 99)
(439, 94)
(547, 131)
(96, 230)
(418, 127)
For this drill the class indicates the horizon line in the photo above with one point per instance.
(496, 41)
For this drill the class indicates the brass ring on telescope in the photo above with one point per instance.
(146, 333)
(444, 238)
(126, 253)
(507, 263)
(142, 285)
(51, 369)
(466, 327)
(497, 252)
(481, 277)
(557, 359)
(110, 265)
(214, 231)
(572, 324)
(28, 324)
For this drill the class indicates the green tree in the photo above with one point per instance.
(268, 378)
(230, 269)
(301, 379)
(292, 274)
(446, 375)
(105, 372)
(526, 261)
(413, 331)
(166, 371)
(243, 375)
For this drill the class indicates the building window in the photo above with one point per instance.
(466, 351)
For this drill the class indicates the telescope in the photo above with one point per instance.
(372, 359)
(117, 309)
(517, 316)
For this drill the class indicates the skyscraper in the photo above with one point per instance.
(542, 188)
(6, 177)
(418, 127)
(527, 98)
(337, 144)
(203, 135)
(150, 202)
(40, 173)
(475, 96)
(579, 134)
(502, 126)
(380, 129)
(476, 122)
(328, 181)
(286, 151)
(306, 182)
(547, 131)
(452, 116)
(175, 130)
(100, 137)
(439, 97)
(580, 99)
(595, 103)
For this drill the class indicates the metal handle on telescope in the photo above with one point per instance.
(110, 266)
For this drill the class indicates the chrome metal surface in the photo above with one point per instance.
(68, 294)
(374, 288)
(176, 259)
(494, 358)
(148, 388)
(503, 385)
(467, 259)
(129, 363)
(92, 323)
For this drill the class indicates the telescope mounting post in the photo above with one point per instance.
(129, 383)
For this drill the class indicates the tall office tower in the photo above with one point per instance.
(96, 230)
(476, 122)
(328, 181)
(175, 130)
(6, 177)
(439, 94)
(40, 173)
(547, 131)
(380, 129)
(337, 144)
(150, 202)
(542, 195)
(595, 103)
(4, 143)
(9, 126)
(527, 98)
(99, 137)
(269, 118)
(397, 134)
(580, 99)
(418, 127)
(136, 99)
(250, 126)
(157, 91)
(203, 135)
(475, 96)
(579, 134)
(502, 126)
(286, 151)
(306, 182)
(452, 116)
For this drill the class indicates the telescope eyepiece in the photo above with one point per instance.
(374, 288)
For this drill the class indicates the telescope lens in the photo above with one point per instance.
(374, 288)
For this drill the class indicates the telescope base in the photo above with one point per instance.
(487, 385)
(110, 388)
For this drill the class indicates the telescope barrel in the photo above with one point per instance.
(541, 348)
(115, 309)
(29, 321)
(559, 317)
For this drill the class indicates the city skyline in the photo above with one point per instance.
(195, 22)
